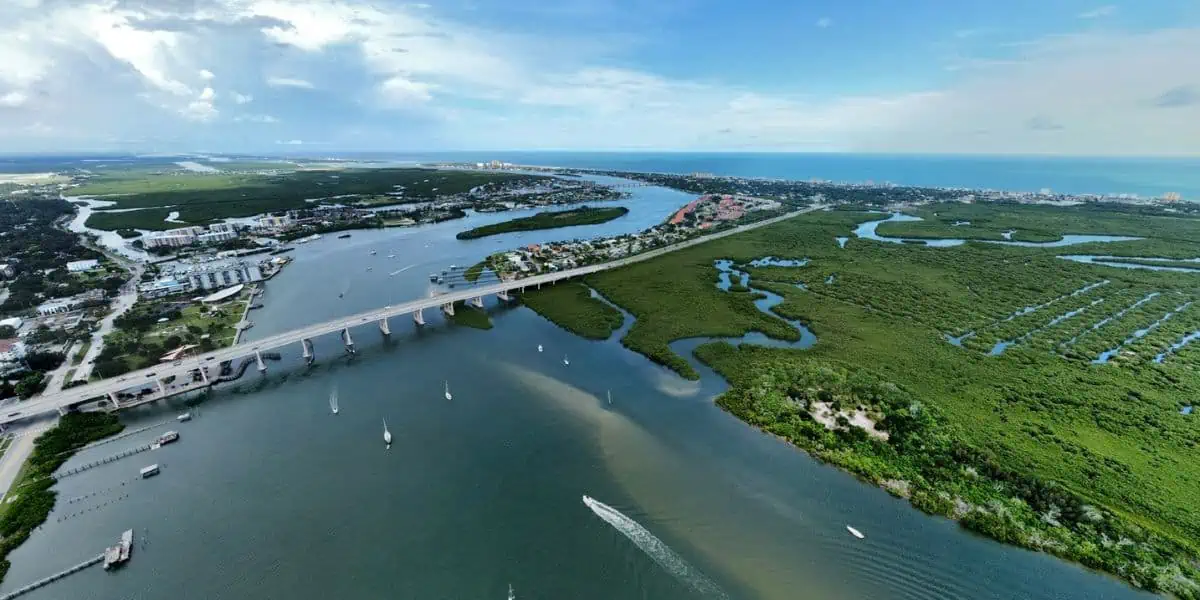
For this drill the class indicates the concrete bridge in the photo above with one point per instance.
(199, 372)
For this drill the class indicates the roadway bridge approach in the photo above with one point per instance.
(200, 371)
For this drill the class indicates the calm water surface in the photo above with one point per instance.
(268, 495)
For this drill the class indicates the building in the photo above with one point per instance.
(219, 274)
(273, 223)
(80, 266)
(62, 305)
(164, 287)
(7, 271)
(187, 236)
(1171, 197)
(11, 351)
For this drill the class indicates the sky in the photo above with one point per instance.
(1064, 77)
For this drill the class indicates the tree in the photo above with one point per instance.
(172, 343)
(110, 367)
(7, 332)
(30, 385)
(44, 361)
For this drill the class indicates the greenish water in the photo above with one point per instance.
(268, 495)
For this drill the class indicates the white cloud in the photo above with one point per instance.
(824, 22)
(289, 82)
(13, 100)
(202, 108)
(206, 75)
(289, 142)
(1099, 12)
(265, 119)
(398, 91)
(241, 98)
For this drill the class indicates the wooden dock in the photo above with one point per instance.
(95, 560)
(105, 461)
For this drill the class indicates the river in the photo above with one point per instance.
(268, 495)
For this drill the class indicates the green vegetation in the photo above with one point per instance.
(469, 316)
(37, 245)
(570, 305)
(140, 340)
(203, 198)
(1093, 463)
(475, 271)
(34, 498)
(548, 220)
(129, 233)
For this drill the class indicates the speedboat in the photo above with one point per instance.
(854, 532)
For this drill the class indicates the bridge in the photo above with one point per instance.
(193, 374)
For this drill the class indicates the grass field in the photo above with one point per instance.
(548, 220)
(1059, 435)
(204, 197)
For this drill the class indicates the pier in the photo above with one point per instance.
(21, 591)
(106, 460)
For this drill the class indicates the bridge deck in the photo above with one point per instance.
(150, 375)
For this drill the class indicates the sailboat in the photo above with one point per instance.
(510, 593)
(387, 435)
(610, 396)
(333, 403)
(566, 361)
(539, 347)
(854, 532)
(447, 393)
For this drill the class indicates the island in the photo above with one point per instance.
(585, 215)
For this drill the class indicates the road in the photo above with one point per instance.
(58, 374)
(17, 453)
(122, 304)
(51, 402)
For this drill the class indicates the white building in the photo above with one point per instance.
(163, 287)
(80, 266)
(273, 223)
(62, 305)
(11, 351)
(186, 236)
(219, 274)
(14, 322)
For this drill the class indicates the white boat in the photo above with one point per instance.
(539, 347)
(566, 361)
(372, 253)
(184, 417)
(854, 532)
(368, 268)
(387, 435)
(610, 396)
(510, 593)
(333, 401)
(391, 256)
(447, 393)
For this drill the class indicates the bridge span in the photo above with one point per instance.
(169, 379)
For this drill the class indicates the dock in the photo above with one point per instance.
(95, 560)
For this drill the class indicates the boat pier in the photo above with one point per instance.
(106, 460)
(21, 591)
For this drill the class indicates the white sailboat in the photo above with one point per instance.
(333, 401)
(539, 347)
(510, 593)
(854, 532)
(610, 396)
(447, 392)
(566, 361)
(387, 435)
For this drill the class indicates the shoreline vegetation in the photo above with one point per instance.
(1036, 447)
(31, 496)
(585, 215)
(469, 316)
(570, 305)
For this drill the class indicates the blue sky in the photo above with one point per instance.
(1067, 77)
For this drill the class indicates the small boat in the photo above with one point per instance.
(566, 361)
(343, 236)
(387, 435)
(539, 347)
(184, 417)
(610, 396)
(854, 532)
(447, 392)
(333, 401)
(368, 268)
(391, 256)
(371, 253)
(511, 596)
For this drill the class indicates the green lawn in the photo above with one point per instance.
(571, 306)
(1040, 420)
(82, 352)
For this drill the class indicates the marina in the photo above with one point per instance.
(112, 557)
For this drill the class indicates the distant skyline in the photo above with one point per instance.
(277, 76)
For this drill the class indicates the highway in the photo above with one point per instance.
(148, 377)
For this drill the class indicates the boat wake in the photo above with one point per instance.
(656, 549)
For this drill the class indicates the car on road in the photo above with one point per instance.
(151, 374)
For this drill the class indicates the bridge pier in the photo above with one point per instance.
(419, 316)
(162, 389)
(62, 411)
(383, 327)
(477, 302)
(347, 340)
(307, 345)
(504, 296)
(112, 397)
(262, 368)
(448, 309)
(204, 375)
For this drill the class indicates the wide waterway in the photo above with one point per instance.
(268, 495)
